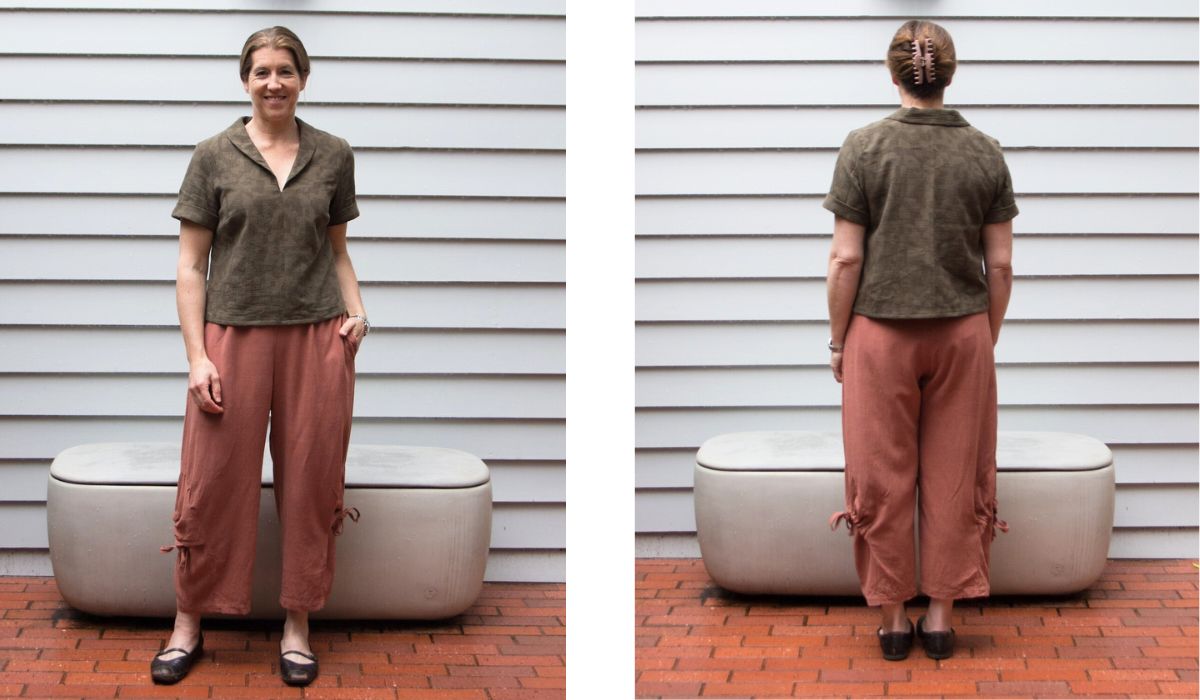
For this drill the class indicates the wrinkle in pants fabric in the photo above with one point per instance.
(299, 381)
(919, 416)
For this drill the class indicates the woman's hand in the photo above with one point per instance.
(204, 386)
(835, 363)
(352, 328)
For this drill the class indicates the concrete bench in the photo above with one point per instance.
(417, 552)
(763, 501)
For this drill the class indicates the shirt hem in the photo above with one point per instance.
(845, 211)
(901, 315)
(196, 215)
(344, 216)
(241, 321)
(1004, 214)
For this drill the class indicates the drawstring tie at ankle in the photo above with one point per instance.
(339, 518)
(850, 518)
(183, 551)
(996, 522)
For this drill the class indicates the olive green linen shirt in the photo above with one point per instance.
(923, 182)
(271, 259)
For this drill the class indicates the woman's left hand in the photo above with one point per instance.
(353, 328)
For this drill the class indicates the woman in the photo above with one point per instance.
(271, 329)
(919, 279)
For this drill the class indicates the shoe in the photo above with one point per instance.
(169, 671)
(938, 645)
(297, 674)
(895, 645)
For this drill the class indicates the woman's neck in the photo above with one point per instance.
(907, 100)
(274, 130)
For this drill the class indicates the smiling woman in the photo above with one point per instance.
(271, 329)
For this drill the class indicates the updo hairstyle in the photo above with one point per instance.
(912, 41)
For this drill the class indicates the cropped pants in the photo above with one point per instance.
(919, 414)
(300, 380)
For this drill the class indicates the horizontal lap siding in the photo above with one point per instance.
(456, 114)
(546, 8)
(55, 169)
(825, 127)
(741, 110)
(391, 216)
(374, 126)
(868, 9)
(1089, 214)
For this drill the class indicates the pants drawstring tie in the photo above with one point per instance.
(183, 551)
(850, 518)
(997, 523)
(339, 518)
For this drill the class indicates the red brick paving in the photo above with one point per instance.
(1132, 634)
(509, 646)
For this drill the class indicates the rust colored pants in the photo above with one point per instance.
(919, 413)
(300, 379)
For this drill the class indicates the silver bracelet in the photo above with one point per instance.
(365, 322)
(836, 348)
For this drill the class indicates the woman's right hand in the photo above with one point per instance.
(835, 363)
(204, 386)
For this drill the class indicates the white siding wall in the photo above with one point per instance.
(456, 114)
(741, 109)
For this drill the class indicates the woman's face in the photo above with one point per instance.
(274, 83)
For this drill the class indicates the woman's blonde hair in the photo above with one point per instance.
(275, 38)
(921, 58)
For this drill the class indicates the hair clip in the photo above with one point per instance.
(929, 64)
(923, 66)
(917, 62)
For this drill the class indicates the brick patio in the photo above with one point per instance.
(509, 645)
(1132, 634)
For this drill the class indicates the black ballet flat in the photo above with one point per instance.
(297, 674)
(170, 671)
(938, 645)
(895, 645)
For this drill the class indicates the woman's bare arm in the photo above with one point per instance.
(997, 264)
(845, 269)
(347, 279)
(204, 383)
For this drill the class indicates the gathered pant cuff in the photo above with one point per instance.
(309, 605)
(877, 600)
(962, 595)
(217, 608)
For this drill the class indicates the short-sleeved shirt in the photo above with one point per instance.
(923, 182)
(271, 260)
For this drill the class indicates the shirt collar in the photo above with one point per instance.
(929, 117)
(241, 140)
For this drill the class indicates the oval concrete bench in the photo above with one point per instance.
(418, 550)
(763, 501)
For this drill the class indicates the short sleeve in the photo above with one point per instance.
(846, 197)
(1004, 205)
(344, 207)
(198, 200)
